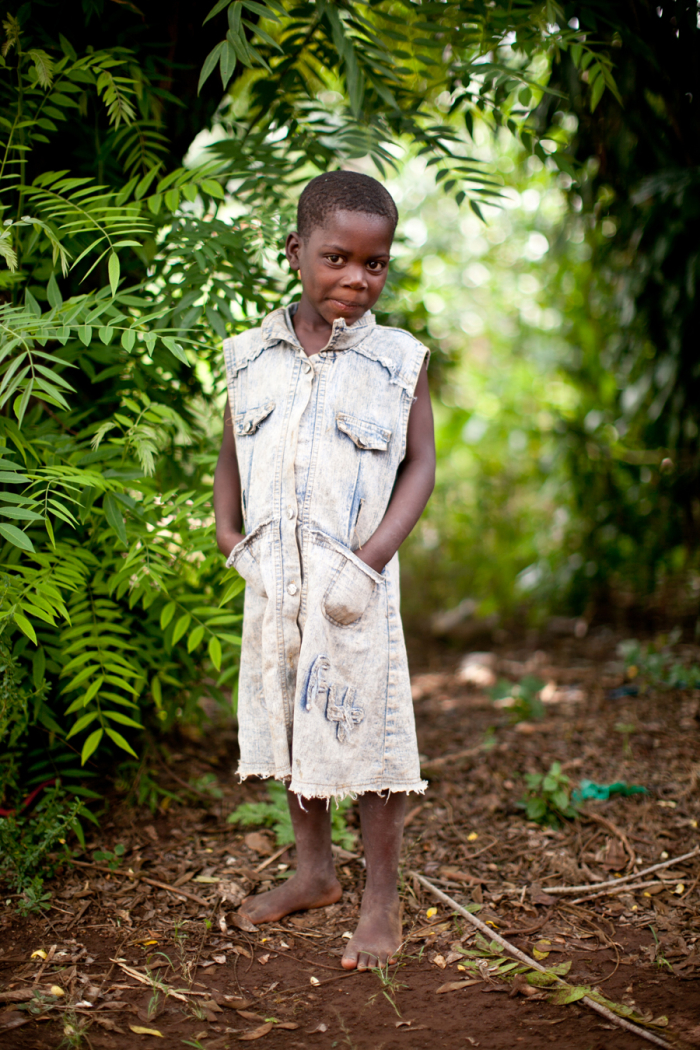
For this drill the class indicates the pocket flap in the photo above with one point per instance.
(364, 434)
(248, 422)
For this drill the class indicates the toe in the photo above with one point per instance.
(349, 960)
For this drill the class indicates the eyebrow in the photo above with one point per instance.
(345, 251)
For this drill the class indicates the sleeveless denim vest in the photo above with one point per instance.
(324, 698)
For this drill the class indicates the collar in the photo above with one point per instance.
(278, 327)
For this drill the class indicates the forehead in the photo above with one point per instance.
(356, 231)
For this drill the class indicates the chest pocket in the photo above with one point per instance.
(364, 434)
(246, 423)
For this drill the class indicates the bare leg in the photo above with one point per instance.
(378, 935)
(315, 884)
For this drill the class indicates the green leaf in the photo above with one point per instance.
(180, 627)
(235, 587)
(210, 62)
(124, 720)
(53, 293)
(16, 537)
(113, 270)
(167, 613)
(114, 517)
(120, 741)
(176, 349)
(562, 996)
(128, 339)
(597, 91)
(90, 745)
(195, 638)
(106, 334)
(25, 627)
(85, 334)
(38, 667)
(215, 652)
(82, 723)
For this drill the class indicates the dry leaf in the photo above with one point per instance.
(240, 950)
(17, 995)
(38, 954)
(13, 1019)
(243, 923)
(219, 959)
(454, 986)
(248, 1015)
(538, 896)
(235, 1002)
(453, 957)
(289, 1025)
(257, 1033)
(258, 841)
(319, 1028)
(263, 959)
(439, 961)
(146, 1031)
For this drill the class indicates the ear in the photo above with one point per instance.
(292, 249)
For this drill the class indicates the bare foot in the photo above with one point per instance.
(299, 893)
(378, 935)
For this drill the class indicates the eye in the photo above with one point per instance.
(375, 266)
(335, 259)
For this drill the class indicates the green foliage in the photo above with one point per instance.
(548, 798)
(654, 664)
(112, 858)
(26, 841)
(521, 700)
(275, 814)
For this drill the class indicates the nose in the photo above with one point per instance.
(355, 277)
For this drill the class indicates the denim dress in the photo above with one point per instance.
(324, 699)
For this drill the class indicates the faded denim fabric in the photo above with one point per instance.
(324, 698)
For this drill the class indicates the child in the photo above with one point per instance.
(328, 460)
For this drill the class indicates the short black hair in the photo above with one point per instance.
(346, 191)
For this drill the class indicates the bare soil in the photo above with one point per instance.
(129, 955)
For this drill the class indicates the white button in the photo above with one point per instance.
(308, 368)
(290, 512)
(292, 589)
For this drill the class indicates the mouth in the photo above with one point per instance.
(345, 307)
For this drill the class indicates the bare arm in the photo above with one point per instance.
(414, 483)
(227, 491)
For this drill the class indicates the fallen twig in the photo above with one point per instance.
(533, 964)
(623, 878)
(177, 892)
(612, 890)
(261, 867)
(443, 760)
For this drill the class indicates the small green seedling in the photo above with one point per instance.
(112, 858)
(548, 799)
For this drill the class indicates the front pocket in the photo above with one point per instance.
(246, 559)
(348, 594)
(364, 434)
(246, 423)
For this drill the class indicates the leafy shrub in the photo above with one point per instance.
(275, 814)
(548, 798)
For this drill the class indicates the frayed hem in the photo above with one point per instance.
(263, 775)
(338, 794)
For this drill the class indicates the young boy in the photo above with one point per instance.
(328, 460)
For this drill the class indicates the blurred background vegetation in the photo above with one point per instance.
(545, 162)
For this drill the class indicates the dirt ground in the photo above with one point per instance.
(122, 957)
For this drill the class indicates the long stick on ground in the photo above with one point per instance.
(623, 878)
(533, 964)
